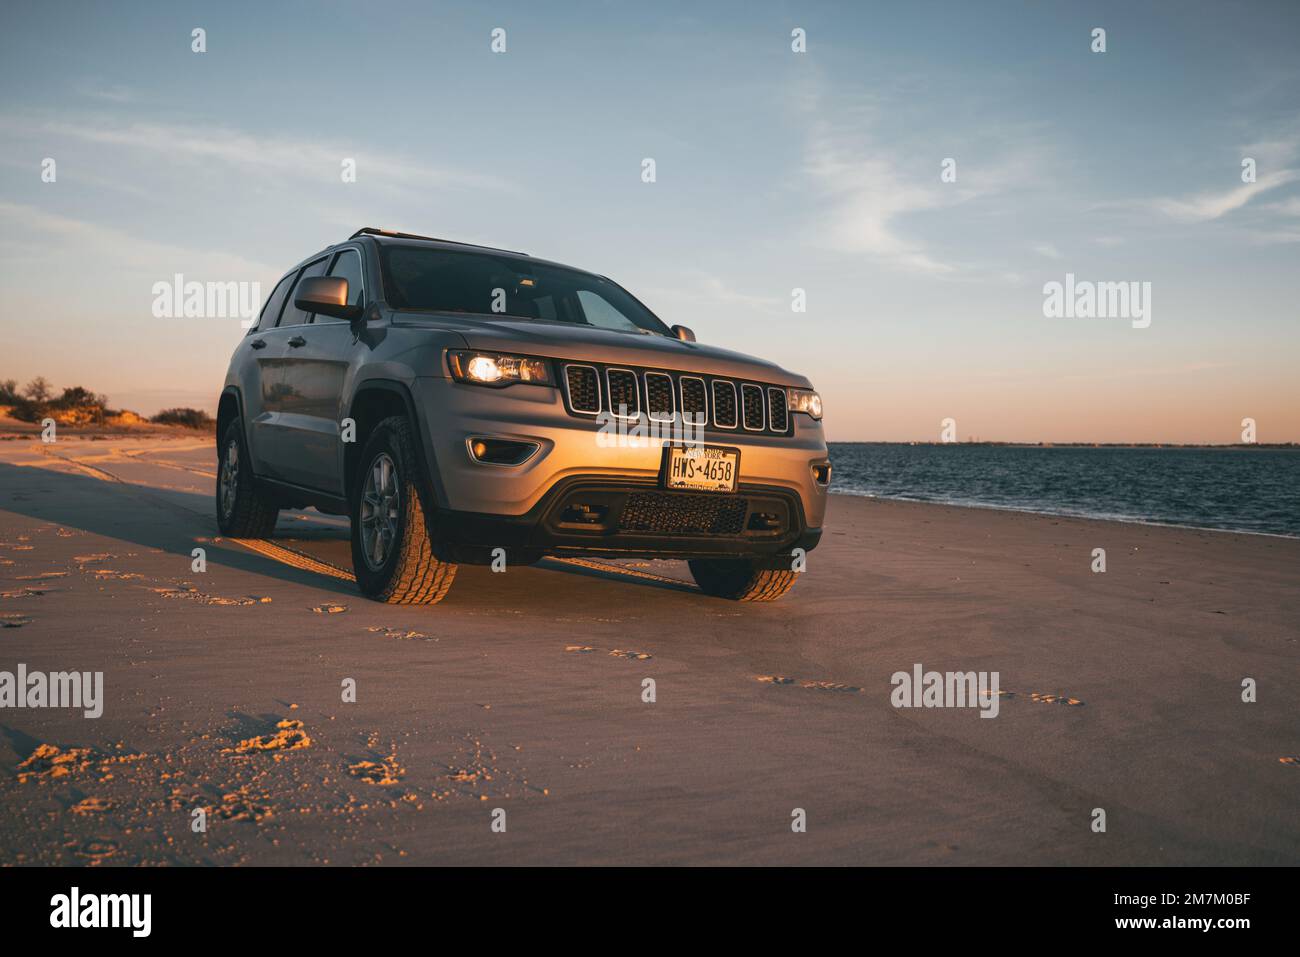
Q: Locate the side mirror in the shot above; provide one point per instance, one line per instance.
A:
(327, 295)
(684, 334)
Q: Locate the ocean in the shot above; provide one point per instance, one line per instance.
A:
(1236, 489)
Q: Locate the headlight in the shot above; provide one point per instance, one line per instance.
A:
(493, 368)
(804, 400)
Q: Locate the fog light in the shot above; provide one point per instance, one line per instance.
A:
(500, 451)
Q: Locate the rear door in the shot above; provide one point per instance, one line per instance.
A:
(275, 425)
(261, 370)
(315, 368)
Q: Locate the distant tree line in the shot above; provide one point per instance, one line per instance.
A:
(38, 400)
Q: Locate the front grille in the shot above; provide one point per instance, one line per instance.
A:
(584, 389)
(701, 400)
(752, 406)
(724, 404)
(624, 396)
(659, 396)
(667, 513)
(694, 404)
(778, 420)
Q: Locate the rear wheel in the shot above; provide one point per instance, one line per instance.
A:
(740, 579)
(392, 549)
(244, 509)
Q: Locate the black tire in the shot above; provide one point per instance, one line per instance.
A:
(251, 511)
(392, 549)
(739, 579)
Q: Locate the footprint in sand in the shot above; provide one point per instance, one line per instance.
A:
(97, 851)
(1292, 760)
(11, 620)
(387, 771)
(810, 685)
(329, 609)
(242, 805)
(613, 653)
(41, 577)
(399, 634)
(193, 594)
(107, 574)
(94, 559)
(289, 736)
(1054, 699)
(27, 591)
(49, 761)
(92, 805)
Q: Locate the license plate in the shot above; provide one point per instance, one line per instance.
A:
(702, 468)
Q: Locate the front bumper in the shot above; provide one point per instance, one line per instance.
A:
(527, 508)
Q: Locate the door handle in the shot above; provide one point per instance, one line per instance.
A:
(257, 344)
(297, 341)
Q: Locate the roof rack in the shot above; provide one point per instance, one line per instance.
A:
(375, 231)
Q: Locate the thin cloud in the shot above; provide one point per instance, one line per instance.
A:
(118, 248)
(108, 93)
(1274, 156)
(1206, 207)
(298, 158)
(867, 197)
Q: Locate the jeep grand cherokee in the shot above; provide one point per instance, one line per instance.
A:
(463, 404)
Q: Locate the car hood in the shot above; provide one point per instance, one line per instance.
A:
(565, 340)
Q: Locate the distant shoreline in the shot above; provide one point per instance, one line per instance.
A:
(1044, 512)
(1081, 445)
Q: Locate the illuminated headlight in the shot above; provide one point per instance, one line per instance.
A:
(493, 368)
(804, 400)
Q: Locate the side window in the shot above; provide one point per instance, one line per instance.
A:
(271, 311)
(347, 265)
(293, 316)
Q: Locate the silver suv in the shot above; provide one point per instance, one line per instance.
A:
(463, 404)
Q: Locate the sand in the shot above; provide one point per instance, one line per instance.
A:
(524, 692)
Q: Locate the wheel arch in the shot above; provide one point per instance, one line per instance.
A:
(373, 401)
(230, 406)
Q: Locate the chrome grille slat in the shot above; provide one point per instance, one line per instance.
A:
(624, 392)
(778, 416)
(660, 398)
(582, 386)
(752, 408)
(725, 403)
(695, 401)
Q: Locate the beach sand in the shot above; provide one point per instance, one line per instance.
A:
(523, 691)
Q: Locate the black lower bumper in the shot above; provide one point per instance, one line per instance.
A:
(596, 516)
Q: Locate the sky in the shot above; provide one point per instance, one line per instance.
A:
(775, 170)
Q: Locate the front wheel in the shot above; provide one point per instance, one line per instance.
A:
(740, 579)
(392, 550)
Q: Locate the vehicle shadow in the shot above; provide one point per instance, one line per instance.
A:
(170, 521)
(175, 522)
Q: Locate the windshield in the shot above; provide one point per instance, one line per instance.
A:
(440, 280)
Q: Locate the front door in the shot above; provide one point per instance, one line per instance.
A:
(315, 367)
